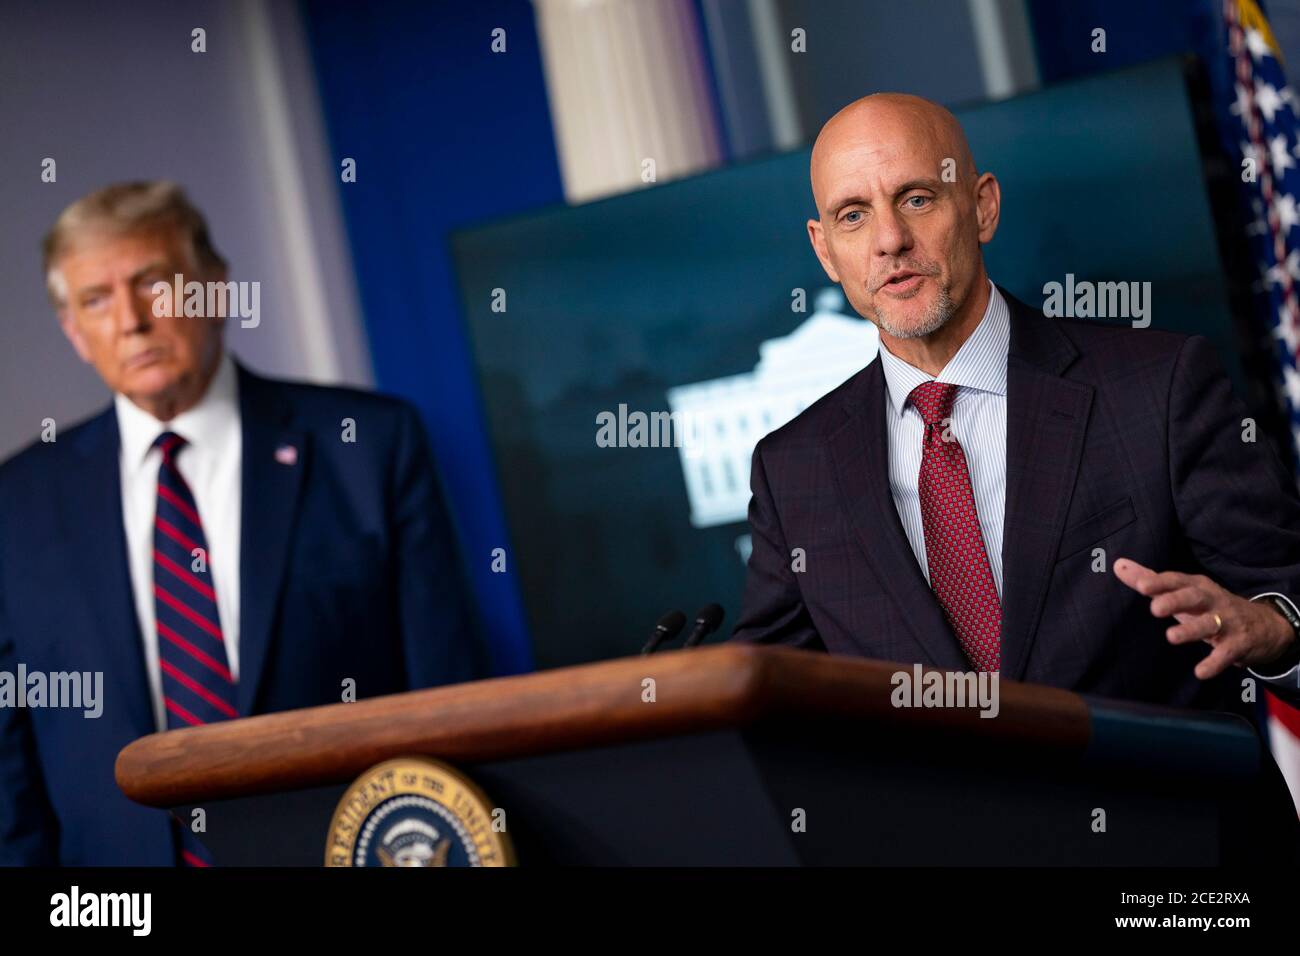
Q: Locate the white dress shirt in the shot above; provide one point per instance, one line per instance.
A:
(210, 463)
(979, 423)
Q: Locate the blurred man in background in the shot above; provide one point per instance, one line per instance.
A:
(215, 543)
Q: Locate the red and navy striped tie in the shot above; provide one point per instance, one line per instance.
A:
(198, 687)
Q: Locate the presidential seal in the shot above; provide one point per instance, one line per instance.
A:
(415, 811)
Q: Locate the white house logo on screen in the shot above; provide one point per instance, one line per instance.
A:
(731, 414)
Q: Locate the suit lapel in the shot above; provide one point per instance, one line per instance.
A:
(1047, 416)
(274, 458)
(90, 500)
(860, 457)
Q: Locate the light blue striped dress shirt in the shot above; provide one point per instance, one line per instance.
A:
(979, 423)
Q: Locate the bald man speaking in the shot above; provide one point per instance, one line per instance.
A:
(1061, 502)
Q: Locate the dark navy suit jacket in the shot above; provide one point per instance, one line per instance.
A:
(347, 570)
(1124, 439)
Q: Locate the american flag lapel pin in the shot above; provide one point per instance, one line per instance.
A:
(286, 455)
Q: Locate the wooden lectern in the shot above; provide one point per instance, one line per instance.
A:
(744, 755)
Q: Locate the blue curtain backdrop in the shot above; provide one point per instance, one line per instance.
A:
(1136, 31)
(445, 133)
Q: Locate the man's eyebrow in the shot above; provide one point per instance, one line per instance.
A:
(148, 267)
(839, 204)
(924, 182)
(85, 290)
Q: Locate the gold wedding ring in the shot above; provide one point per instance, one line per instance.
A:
(1218, 624)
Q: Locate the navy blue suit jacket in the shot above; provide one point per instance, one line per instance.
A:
(1128, 440)
(347, 570)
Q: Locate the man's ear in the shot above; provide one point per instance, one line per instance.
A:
(817, 236)
(72, 333)
(988, 206)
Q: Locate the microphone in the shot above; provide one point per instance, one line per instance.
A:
(707, 620)
(669, 626)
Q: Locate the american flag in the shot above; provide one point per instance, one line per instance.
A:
(1257, 116)
(1261, 130)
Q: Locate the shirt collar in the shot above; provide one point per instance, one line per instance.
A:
(206, 424)
(980, 363)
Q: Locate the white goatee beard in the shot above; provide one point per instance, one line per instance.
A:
(935, 318)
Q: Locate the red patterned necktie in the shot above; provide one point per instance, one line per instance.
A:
(198, 687)
(954, 547)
